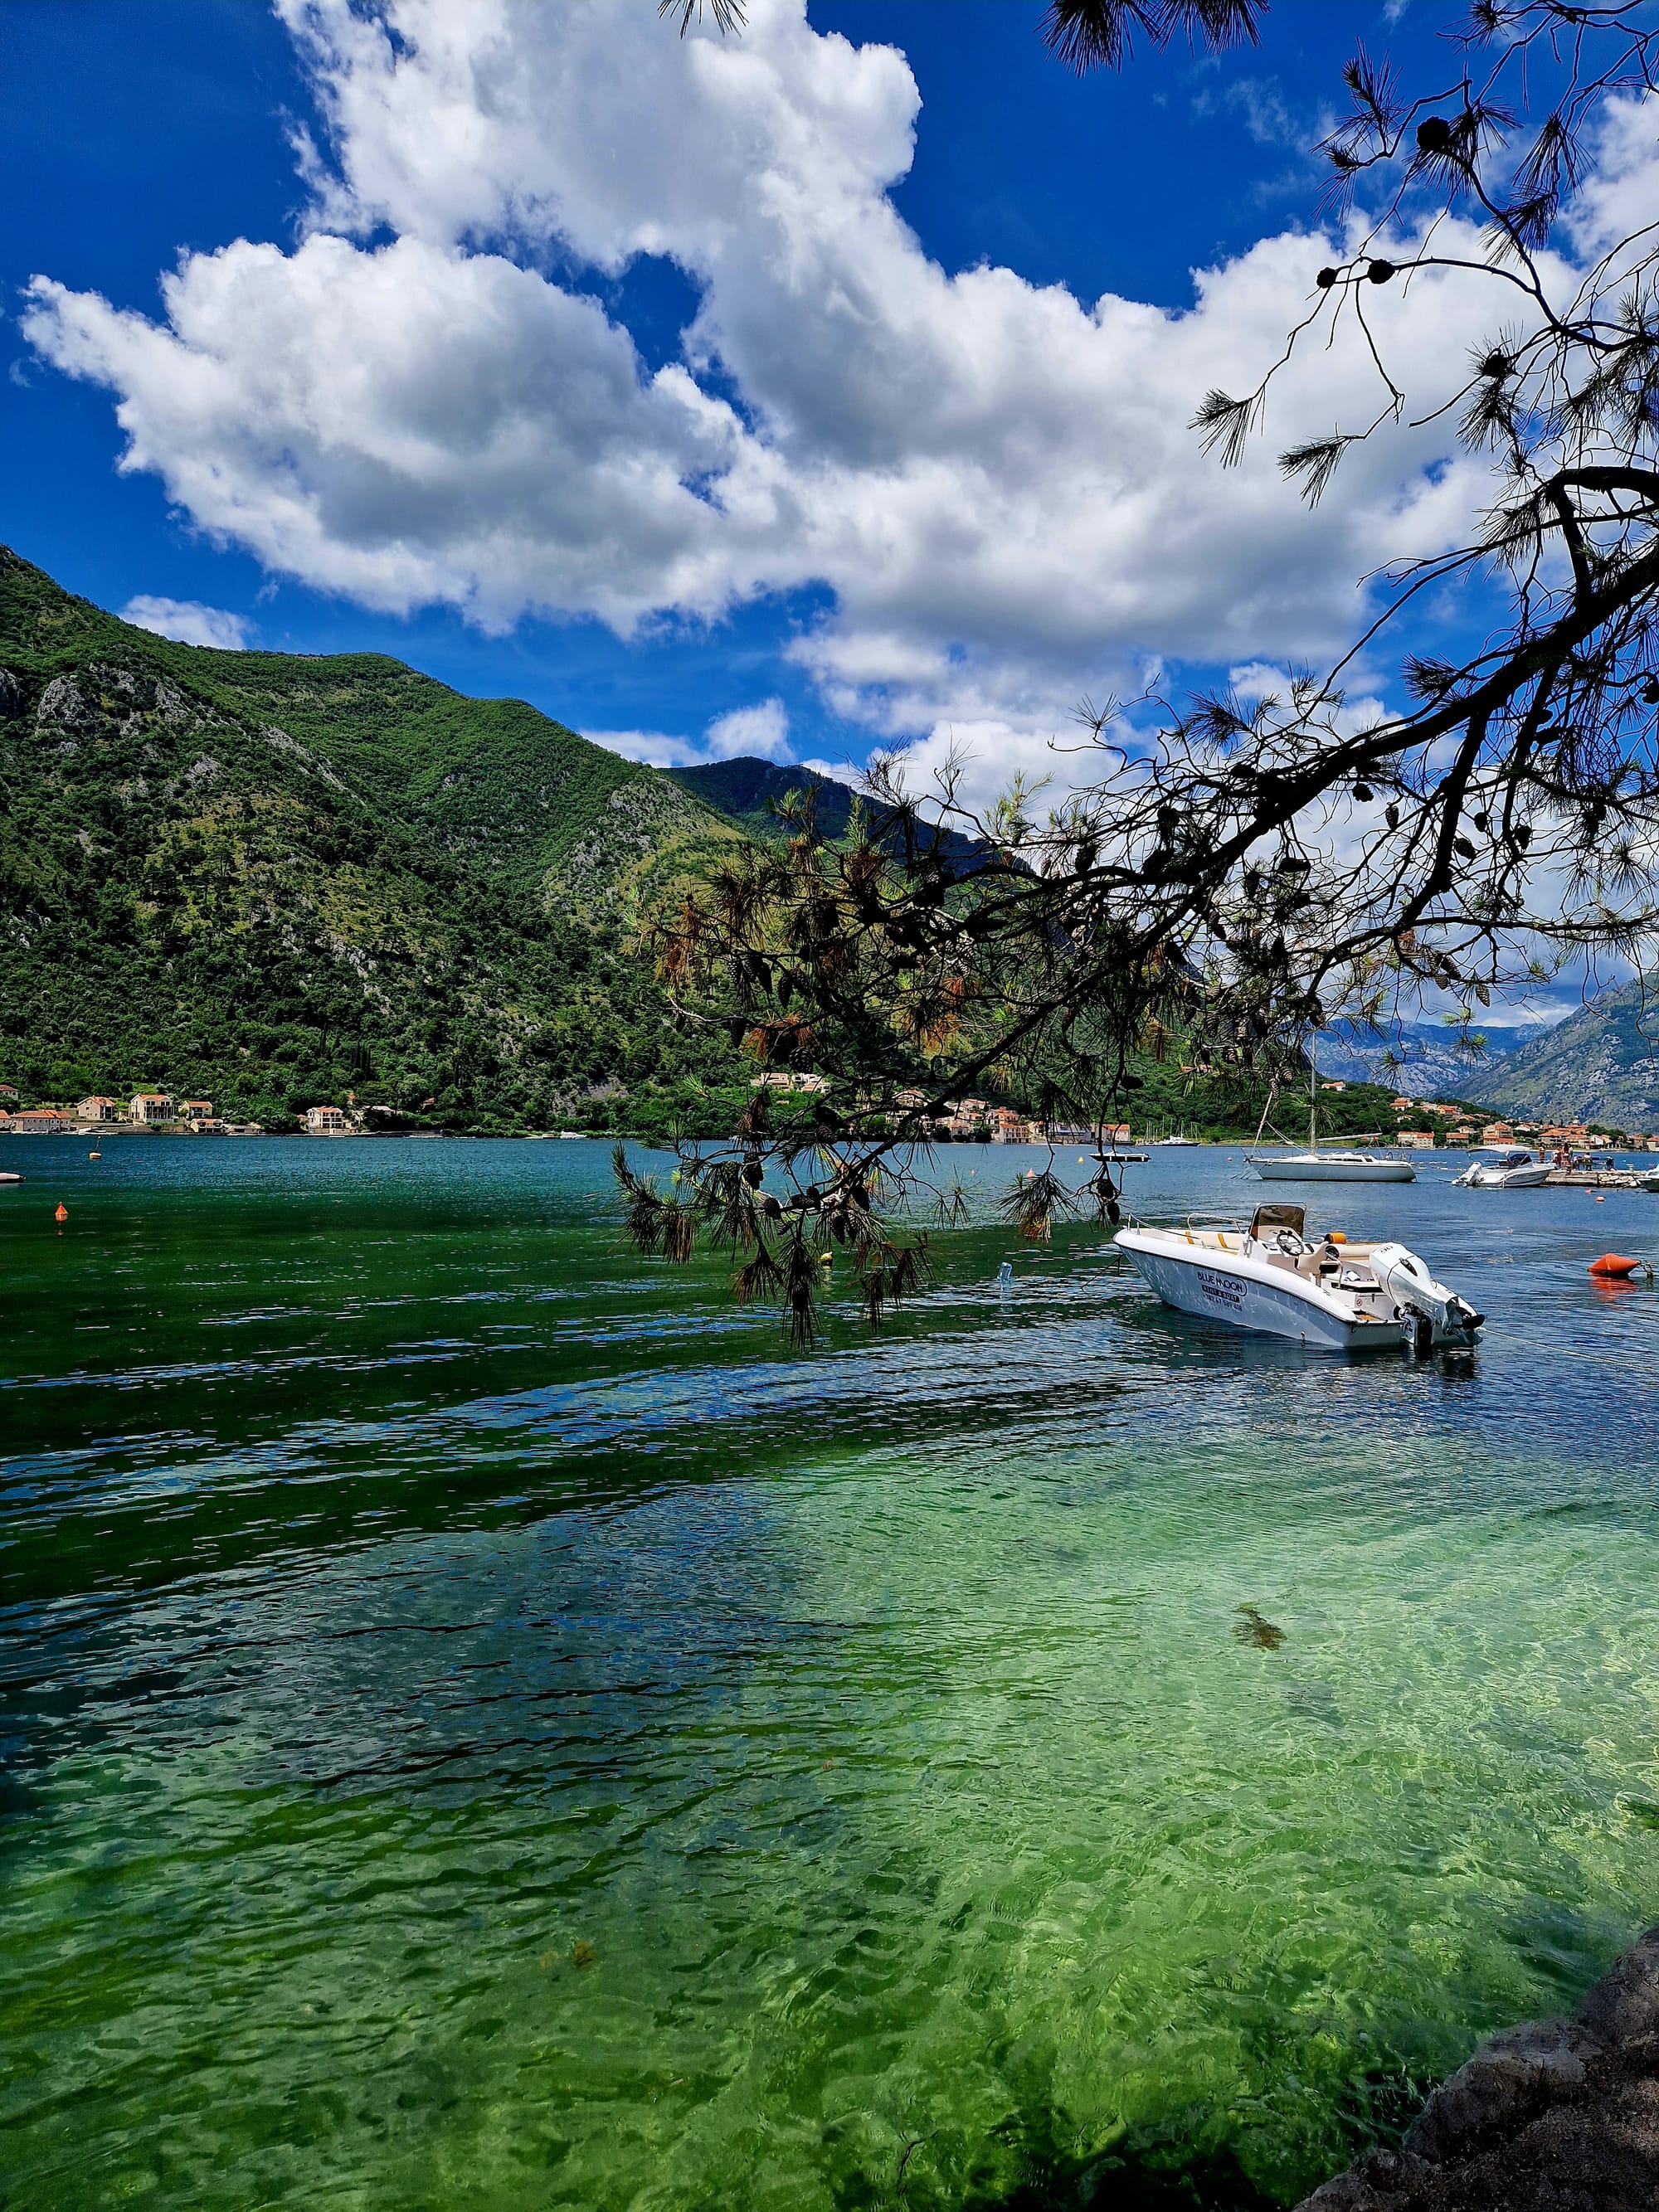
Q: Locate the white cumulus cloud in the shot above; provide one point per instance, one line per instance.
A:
(761, 731)
(188, 622)
(994, 480)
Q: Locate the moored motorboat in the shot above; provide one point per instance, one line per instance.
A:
(1515, 1169)
(1328, 1292)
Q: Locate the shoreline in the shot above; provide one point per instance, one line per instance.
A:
(1560, 2113)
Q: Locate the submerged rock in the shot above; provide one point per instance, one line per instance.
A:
(1562, 2116)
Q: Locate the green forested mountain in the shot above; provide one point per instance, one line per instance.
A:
(749, 793)
(270, 878)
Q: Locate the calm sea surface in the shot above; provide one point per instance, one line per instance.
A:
(482, 1725)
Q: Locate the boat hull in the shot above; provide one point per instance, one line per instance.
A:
(1294, 1171)
(1193, 1286)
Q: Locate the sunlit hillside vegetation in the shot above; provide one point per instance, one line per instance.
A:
(274, 880)
(271, 879)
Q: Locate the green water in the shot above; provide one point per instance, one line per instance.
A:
(483, 1727)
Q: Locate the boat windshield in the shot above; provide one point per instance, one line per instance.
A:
(1267, 1218)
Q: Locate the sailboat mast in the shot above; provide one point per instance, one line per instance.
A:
(1313, 1076)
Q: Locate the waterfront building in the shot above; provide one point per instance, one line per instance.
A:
(149, 1106)
(325, 1121)
(100, 1109)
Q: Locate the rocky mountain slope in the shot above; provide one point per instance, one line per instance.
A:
(1601, 1064)
(1416, 1059)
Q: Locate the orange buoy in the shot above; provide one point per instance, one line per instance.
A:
(62, 1214)
(1614, 1263)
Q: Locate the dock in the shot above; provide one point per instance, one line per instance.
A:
(1600, 1178)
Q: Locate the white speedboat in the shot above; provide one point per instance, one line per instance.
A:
(1333, 1295)
(1185, 1142)
(1509, 1170)
(1316, 1166)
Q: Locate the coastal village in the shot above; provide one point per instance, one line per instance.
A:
(154, 1110)
(1421, 1124)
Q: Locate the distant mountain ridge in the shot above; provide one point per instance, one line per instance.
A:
(1600, 1065)
(1416, 1059)
(749, 793)
(749, 790)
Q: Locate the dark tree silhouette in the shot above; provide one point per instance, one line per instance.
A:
(1247, 873)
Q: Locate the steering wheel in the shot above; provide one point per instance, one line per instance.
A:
(1290, 1244)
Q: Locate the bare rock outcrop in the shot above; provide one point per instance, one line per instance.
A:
(1562, 2116)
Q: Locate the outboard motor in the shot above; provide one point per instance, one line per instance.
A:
(1436, 1314)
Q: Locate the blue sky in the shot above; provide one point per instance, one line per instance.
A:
(140, 133)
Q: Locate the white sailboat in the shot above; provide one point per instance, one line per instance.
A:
(1327, 1166)
(1273, 1278)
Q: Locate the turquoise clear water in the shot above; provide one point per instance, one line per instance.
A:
(483, 1726)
